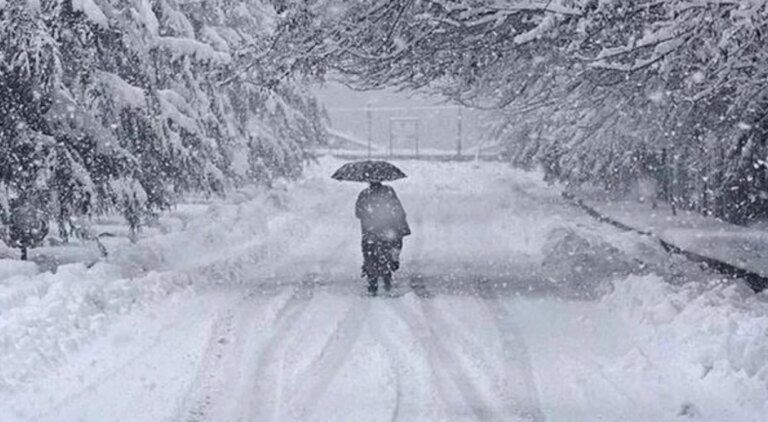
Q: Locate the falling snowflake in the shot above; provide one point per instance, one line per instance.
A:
(656, 96)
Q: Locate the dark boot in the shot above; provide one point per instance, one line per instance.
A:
(373, 286)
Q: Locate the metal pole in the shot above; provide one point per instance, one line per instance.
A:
(458, 131)
(390, 138)
(370, 131)
(417, 139)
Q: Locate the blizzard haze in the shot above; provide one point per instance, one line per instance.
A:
(437, 119)
(394, 211)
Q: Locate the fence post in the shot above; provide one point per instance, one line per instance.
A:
(417, 138)
(370, 131)
(664, 176)
(458, 131)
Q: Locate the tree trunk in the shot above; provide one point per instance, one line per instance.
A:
(23, 253)
(673, 185)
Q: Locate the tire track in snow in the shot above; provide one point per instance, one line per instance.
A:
(109, 376)
(398, 398)
(229, 267)
(516, 351)
(324, 368)
(424, 337)
(482, 405)
(387, 343)
(401, 358)
(513, 392)
(266, 391)
(524, 402)
(161, 338)
(227, 345)
(444, 366)
(197, 407)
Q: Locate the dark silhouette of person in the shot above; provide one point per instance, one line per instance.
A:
(383, 225)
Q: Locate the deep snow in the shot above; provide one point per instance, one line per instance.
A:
(743, 247)
(252, 310)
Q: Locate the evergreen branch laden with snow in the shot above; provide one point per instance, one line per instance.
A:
(110, 105)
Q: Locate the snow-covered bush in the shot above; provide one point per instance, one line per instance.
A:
(28, 226)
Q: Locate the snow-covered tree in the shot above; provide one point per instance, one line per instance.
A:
(597, 91)
(127, 104)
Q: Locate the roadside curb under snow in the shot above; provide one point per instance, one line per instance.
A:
(756, 282)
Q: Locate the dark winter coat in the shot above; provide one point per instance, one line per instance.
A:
(381, 214)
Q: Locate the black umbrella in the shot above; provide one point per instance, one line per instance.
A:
(368, 171)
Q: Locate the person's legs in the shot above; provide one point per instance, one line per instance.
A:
(371, 255)
(369, 263)
(393, 250)
(391, 254)
(380, 260)
(387, 281)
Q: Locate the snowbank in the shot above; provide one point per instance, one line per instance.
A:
(53, 314)
(14, 268)
(46, 316)
(650, 351)
(716, 331)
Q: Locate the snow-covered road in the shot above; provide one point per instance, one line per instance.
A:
(510, 306)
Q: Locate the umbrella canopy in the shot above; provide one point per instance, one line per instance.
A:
(368, 171)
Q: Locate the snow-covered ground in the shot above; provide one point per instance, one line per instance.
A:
(744, 247)
(512, 305)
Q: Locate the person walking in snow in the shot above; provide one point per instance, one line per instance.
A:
(383, 224)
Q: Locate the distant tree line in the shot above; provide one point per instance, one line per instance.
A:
(125, 105)
(600, 92)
